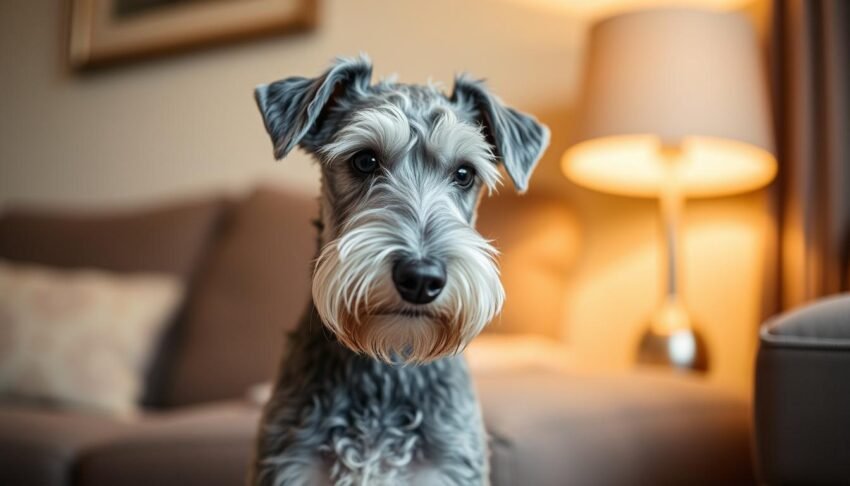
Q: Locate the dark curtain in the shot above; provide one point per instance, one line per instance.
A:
(810, 54)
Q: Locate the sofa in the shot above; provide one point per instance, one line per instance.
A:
(802, 395)
(246, 262)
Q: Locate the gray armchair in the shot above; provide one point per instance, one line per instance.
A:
(802, 402)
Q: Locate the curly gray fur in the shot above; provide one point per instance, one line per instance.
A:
(372, 390)
(368, 422)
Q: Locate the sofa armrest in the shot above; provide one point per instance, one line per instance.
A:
(802, 396)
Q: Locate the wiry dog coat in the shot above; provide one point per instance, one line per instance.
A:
(371, 389)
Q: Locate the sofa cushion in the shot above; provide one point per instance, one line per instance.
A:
(253, 288)
(166, 240)
(210, 445)
(39, 446)
(552, 428)
(207, 445)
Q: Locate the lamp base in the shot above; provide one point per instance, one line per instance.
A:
(683, 349)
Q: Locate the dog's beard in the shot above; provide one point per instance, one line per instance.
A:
(354, 294)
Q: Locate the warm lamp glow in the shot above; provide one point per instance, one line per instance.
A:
(638, 165)
(673, 98)
(602, 8)
(675, 105)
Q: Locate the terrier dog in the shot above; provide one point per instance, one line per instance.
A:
(402, 281)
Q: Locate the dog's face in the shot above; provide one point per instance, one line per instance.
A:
(403, 276)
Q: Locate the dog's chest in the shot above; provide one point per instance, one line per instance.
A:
(374, 424)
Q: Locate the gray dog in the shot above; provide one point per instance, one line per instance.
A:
(402, 281)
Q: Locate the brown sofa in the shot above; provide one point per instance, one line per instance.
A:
(247, 264)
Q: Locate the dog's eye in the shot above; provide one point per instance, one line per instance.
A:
(365, 162)
(464, 176)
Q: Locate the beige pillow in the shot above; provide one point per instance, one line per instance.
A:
(82, 338)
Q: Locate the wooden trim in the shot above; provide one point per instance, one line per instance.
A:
(96, 38)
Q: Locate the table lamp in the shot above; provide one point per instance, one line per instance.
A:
(675, 105)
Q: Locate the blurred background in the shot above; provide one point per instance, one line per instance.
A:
(187, 124)
(99, 119)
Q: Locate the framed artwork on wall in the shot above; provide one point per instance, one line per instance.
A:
(107, 31)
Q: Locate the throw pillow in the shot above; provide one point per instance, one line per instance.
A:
(81, 338)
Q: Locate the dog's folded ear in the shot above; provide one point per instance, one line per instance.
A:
(519, 140)
(292, 107)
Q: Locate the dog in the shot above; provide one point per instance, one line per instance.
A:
(372, 389)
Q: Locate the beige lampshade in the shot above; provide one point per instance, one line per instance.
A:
(673, 96)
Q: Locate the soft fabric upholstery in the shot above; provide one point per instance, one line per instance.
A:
(171, 238)
(40, 446)
(820, 325)
(547, 428)
(538, 238)
(252, 290)
(82, 338)
(802, 395)
(203, 446)
(208, 445)
(552, 429)
(168, 239)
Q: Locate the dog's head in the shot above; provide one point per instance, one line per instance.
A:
(402, 275)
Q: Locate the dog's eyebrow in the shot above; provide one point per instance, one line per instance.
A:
(384, 128)
(452, 141)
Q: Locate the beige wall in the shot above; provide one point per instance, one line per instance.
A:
(188, 124)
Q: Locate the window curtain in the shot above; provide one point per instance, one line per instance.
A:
(810, 53)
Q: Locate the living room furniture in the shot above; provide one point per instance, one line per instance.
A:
(675, 105)
(246, 262)
(802, 403)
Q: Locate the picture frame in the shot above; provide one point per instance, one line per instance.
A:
(109, 31)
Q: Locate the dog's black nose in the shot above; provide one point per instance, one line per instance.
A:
(419, 281)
